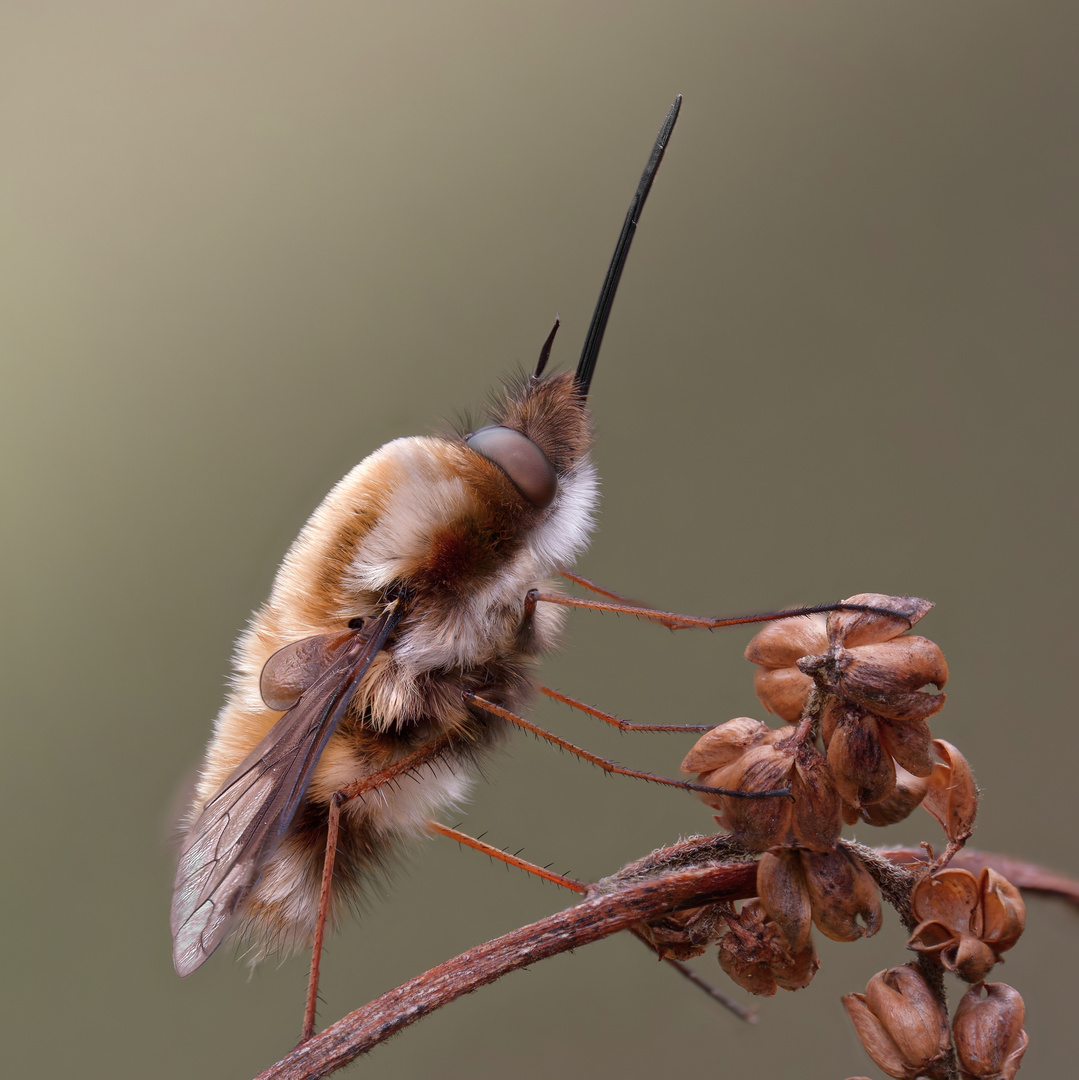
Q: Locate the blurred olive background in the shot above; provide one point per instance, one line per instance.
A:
(244, 244)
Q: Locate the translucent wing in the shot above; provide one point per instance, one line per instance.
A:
(234, 836)
(293, 670)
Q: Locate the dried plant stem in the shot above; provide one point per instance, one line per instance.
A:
(515, 861)
(591, 920)
(895, 882)
(669, 879)
(1028, 876)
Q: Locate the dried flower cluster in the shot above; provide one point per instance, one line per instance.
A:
(854, 690)
(903, 1026)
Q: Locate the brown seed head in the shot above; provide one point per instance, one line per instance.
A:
(858, 656)
(844, 897)
(756, 954)
(682, 935)
(745, 755)
(863, 770)
(724, 745)
(885, 677)
(784, 895)
(782, 691)
(830, 888)
(853, 628)
(783, 642)
(781, 687)
(908, 792)
(900, 1022)
(989, 1038)
(966, 922)
(952, 796)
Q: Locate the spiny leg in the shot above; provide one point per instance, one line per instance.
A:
(618, 598)
(677, 621)
(357, 788)
(622, 725)
(575, 886)
(472, 698)
(591, 586)
(504, 856)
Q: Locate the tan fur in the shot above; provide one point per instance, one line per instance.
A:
(432, 516)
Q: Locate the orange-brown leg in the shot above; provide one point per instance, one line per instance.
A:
(622, 725)
(575, 886)
(618, 598)
(591, 586)
(504, 856)
(677, 621)
(357, 788)
(472, 698)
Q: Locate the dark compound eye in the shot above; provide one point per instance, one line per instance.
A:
(520, 459)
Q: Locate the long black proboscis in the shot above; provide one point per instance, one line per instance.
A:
(590, 352)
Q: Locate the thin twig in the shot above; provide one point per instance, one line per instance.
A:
(669, 879)
(591, 920)
(1028, 876)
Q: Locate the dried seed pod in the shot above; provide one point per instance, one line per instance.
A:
(782, 642)
(952, 796)
(856, 655)
(966, 922)
(989, 1038)
(883, 677)
(782, 691)
(910, 662)
(784, 895)
(908, 792)
(724, 745)
(900, 1022)
(1001, 914)
(862, 770)
(780, 686)
(909, 743)
(756, 954)
(853, 628)
(808, 818)
(682, 935)
(830, 888)
(843, 896)
(867, 753)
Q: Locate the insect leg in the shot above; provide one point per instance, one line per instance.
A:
(568, 883)
(591, 586)
(622, 725)
(472, 698)
(618, 598)
(676, 621)
(503, 856)
(359, 787)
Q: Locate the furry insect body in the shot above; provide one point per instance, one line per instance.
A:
(434, 522)
(404, 599)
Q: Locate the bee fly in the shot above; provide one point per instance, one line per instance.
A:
(401, 630)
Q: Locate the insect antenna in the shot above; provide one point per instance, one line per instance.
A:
(594, 338)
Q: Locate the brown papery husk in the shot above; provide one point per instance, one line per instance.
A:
(782, 691)
(725, 744)
(862, 770)
(852, 628)
(782, 642)
(781, 884)
(844, 898)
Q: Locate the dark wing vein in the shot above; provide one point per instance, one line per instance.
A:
(237, 831)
